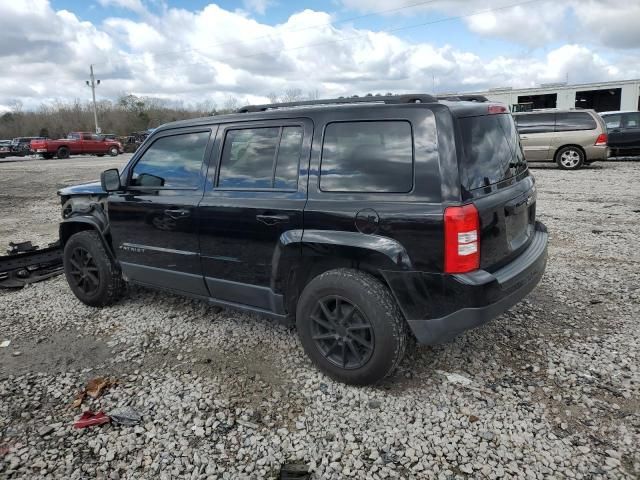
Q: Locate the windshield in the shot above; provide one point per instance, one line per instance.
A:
(492, 151)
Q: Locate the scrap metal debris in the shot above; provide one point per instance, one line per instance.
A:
(26, 263)
(294, 471)
(455, 378)
(126, 416)
(89, 419)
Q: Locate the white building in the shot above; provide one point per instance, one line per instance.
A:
(603, 96)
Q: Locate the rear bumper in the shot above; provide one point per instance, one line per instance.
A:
(595, 153)
(438, 307)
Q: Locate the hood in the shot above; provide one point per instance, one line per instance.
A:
(91, 188)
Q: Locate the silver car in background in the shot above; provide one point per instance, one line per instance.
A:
(571, 138)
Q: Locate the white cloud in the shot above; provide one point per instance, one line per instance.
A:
(214, 54)
(610, 23)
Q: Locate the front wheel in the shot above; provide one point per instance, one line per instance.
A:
(570, 158)
(91, 274)
(350, 326)
(113, 151)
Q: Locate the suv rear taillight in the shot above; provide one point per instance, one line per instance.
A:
(461, 239)
(601, 141)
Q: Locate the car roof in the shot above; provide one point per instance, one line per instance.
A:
(616, 112)
(458, 108)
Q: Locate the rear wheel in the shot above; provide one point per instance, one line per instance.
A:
(113, 151)
(91, 275)
(63, 152)
(569, 158)
(350, 326)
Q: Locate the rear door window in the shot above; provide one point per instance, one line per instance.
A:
(631, 120)
(572, 121)
(492, 151)
(612, 121)
(261, 158)
(535, 122)
(367, 157)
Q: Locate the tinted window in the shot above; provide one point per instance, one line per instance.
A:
(631, 120)
(612, 121)
(571, 121)
(261, 158)
(492, 150)
(288, 158)
(367, 157)
(247, 158)
(535, 122)
(173, 162)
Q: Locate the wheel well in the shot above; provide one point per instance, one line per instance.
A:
(584, 154)
(310, 267)
(68, 229)
(62, 146)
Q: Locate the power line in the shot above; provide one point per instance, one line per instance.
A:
(343, 39)
(353, 37)
(293, 30)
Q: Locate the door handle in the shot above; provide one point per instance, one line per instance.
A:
(177, 212)
(272, 219)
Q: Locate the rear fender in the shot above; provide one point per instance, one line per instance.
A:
(301, 255)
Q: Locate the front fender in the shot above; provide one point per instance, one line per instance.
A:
(86, 217)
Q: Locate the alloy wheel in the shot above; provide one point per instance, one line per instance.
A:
(84, 271)
(570, 159)
(341, 332)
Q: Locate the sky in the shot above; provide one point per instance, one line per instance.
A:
(199, 52)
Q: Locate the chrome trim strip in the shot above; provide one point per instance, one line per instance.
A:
(157, 249)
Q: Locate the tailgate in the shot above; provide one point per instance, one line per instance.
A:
(495, 177)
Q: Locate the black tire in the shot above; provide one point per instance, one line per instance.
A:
(368, 303)
(94, 279)
(113, 151)
(569, 158)
(63, 152)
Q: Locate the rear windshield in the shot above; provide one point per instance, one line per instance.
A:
(491, 151)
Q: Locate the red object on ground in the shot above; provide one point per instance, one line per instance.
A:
(89, 419)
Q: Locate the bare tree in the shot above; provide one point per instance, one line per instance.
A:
(292, 95)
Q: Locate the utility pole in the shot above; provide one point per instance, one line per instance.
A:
(93, 83)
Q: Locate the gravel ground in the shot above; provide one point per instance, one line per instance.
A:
(549, 389)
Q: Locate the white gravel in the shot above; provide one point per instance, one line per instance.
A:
(553, 386)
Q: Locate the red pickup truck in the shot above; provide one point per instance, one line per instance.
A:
(77, 143)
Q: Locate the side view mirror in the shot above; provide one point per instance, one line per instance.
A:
(110, 180)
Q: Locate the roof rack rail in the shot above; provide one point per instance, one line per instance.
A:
(391, 99)
(464, 98)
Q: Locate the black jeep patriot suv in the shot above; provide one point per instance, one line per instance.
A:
(362, 220)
